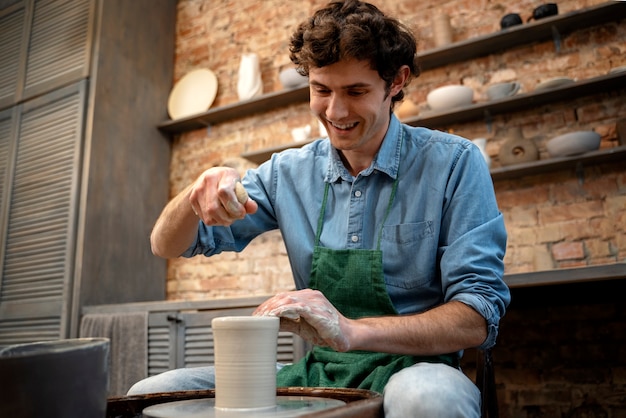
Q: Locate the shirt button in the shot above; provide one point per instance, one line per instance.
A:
(357, 193)
(355, 238)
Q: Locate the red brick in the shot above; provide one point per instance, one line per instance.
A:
(583, 210)
(568, 251)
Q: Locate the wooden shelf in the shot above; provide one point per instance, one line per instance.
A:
(259, 157)
(552, 27)
(500, 173)
(567, 276)
(485, 110)
(548, 28)
(221, 114)
(554, 164)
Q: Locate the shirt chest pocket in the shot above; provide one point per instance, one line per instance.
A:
(409, 254)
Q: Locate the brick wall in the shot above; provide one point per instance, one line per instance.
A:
(561, 219)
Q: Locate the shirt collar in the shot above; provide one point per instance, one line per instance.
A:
(387, 160)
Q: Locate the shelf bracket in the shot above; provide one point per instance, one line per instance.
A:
(488, 120)
(580, 173)
(556, 37)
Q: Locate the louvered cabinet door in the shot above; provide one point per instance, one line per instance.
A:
(162, 330)
(40, 218)
(12, 51)
(44, 45)
(185, 339)
(7, 141)
(58, 47)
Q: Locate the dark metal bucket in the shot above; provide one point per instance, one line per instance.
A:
(63, 378)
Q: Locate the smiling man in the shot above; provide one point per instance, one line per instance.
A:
(393, 232)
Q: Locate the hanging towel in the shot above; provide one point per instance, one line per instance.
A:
(128, 332)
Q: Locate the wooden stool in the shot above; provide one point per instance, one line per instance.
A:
(486, 382)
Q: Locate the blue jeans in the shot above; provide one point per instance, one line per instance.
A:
(425, 389)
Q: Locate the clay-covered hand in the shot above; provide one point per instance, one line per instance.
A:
(310, 315)
(218, 198)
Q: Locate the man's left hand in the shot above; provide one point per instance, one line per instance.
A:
(310, 315)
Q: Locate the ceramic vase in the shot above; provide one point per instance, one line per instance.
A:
(516, 149)
(245, 361)
(481, 143)
(442, 30)
(249, 83)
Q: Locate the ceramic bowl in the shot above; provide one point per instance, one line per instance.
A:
(407, 109)
(573, 143)
(617, 69)
(501, 90)
(554, 83)
(449, 96)
(290, 78)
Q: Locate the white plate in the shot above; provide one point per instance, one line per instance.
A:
(554, 83)
(193, 93)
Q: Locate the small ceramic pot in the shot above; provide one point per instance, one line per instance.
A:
(501, 90)
(301, 134)
(442, 30)
(620, 127)
(406, 109)
(516, 149)
(543, 11)
(481, 143)
(290, 78)
(511, 19)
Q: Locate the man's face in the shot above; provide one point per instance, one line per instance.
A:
(351, 101)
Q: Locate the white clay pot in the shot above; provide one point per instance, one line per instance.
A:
(245, 361)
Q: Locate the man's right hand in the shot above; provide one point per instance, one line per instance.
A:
(212, 198)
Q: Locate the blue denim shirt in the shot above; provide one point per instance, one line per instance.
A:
(444, 238)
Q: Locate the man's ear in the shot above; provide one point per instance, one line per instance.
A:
(400, 80)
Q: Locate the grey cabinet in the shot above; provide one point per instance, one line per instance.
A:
(83, 84)
(179, 334)
(42, 144)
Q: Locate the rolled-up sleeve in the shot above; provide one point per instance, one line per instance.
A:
(473, 238)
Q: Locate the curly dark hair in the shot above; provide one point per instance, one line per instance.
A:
(359, 30)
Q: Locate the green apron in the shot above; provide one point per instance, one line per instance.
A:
(353, 281)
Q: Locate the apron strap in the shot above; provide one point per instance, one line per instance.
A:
(320, 220)
(382, 224)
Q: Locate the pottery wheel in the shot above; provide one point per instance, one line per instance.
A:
(286, 406)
